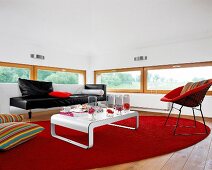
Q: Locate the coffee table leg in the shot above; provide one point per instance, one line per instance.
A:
(90, 138)
(128, 127)
(137, 121)
(53, 129)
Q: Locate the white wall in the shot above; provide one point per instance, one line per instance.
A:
(168, 32)
(105, 34)
(171, 53)
(59, 30)
(101, 34)
(152, 103)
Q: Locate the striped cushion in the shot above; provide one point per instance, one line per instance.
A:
(4, 118)
(15, 133)
(191, 85)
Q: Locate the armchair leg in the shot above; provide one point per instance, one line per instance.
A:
(169, 114)
(178, 120)
(178, 115)
(186, 134)
(195, 124)
(203, 119)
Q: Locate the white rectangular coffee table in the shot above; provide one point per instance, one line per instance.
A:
(84, 124)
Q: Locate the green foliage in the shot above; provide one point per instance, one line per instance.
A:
(120, 80)
(195, 79)
(11, 74)
(155, 81)
(58, 77)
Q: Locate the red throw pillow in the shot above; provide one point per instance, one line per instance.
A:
(60, 94)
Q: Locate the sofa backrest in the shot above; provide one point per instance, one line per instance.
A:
(72, 88)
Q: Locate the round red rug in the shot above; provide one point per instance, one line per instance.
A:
(112, 145)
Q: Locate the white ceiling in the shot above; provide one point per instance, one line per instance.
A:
(56, 24)
(89, 27)
(131, 24)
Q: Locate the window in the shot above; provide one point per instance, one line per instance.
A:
(121, 79)
(60, 76)
(164, 78)
(9, 73)
(154, 79)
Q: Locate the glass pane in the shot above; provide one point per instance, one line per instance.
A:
(121, 80)
(60, 77)
(11, 74)
(168, 79)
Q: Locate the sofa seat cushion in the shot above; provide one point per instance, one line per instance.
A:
(15, 133)
(5, 118)
(49, 102)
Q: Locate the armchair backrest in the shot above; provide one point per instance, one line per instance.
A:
(194, 97)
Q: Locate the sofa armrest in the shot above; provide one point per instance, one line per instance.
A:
(97, 86)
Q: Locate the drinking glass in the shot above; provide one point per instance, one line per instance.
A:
(66, 109)
(110, 101)
(119, 103)
(126, 102)
(92, 103)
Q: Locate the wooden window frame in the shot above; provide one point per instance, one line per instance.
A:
(184, 65)
(36, 68)
(30, 67)
(144, 76)
(97, 72)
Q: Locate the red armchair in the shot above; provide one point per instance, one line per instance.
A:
(192, 98)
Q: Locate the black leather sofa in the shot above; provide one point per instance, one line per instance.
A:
(35, 96)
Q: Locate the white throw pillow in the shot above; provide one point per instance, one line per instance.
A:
(98, 92)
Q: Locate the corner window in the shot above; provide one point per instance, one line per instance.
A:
(9, 73)
(159, 79)
(153, 79)
(168, 79)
